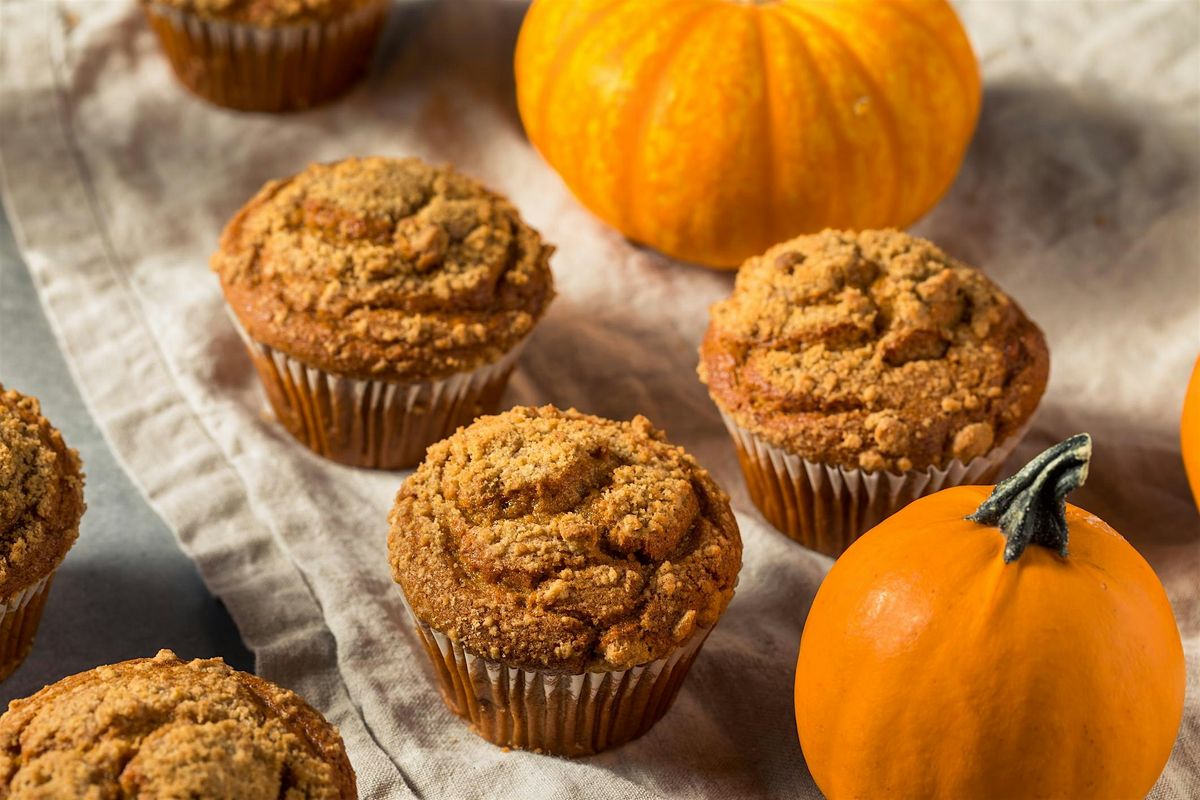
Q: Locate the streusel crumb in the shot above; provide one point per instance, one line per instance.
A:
(872, 350)
(384, 268)
(41, 494)
(555, 540)
(160, 727)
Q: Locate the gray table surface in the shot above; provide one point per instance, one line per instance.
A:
(126, 589)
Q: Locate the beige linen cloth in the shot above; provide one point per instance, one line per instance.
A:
(1079, 195)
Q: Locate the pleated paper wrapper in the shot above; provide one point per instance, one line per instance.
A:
(826, 507)
(374, 423)
(268, 68)
(559, 714)
(19, 620)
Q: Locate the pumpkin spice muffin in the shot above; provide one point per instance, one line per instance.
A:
(41, 504)
(563, 571)
(161, 727)
(857, 372)
(384, 302)
(267, 55)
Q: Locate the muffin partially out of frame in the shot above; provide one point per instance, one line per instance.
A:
(384, 302)
(562, 571)
(41, 504)
(268, 55)
(161, 727)
(858, 372)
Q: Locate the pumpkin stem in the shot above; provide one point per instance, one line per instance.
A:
(1031, 505)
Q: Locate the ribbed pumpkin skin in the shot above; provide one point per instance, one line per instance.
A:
(931, 669)
(1189, 432)
(712, 129)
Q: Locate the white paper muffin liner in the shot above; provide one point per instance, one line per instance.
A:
(374, 423)
(20, 614)
(826, 507)
(558, 714)
(267, 68)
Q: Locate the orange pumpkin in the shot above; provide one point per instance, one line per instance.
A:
(712, 129)
(946, 657)
(1189, 432)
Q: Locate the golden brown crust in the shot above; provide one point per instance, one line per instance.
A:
(559, 541)
(384, 268)
(266, 12)
(872, 350)
(41, 494)
(161, 727)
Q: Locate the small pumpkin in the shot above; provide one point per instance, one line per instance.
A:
(1189, 432)
(962, 649)
(712, 129)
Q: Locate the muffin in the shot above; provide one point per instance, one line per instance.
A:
(858, 372)
(267, 55)
(41, 503)
(161, 727)
(562, 572)
(384, 302)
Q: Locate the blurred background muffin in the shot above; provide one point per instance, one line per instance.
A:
(857, 372)
(161, 727)
(384, 302)
(41, 504)
(562, 571)
(268, 55)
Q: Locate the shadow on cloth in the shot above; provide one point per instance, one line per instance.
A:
(469, 41)
(1086, 166)
(86, 596)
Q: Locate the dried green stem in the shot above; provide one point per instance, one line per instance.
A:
(1030, 507)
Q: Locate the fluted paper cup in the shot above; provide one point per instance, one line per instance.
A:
(283, 67)
(557, 714)
(20, 614)
(826, 507)
(374, 423)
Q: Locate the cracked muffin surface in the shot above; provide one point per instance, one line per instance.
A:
(41, 494)
(164, 728)
(559, 541)
(872, 350)
(384, 268)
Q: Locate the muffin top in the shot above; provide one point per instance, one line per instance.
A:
(41, 494)
(161, 727)
(266, 12)
(384, 268)
(559, 541)
(872, 350)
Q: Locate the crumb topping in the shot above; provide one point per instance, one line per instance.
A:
(555, 540)
(267, 12)
(161, 727)
(41, 494)
(385, 268)
(872, 350)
